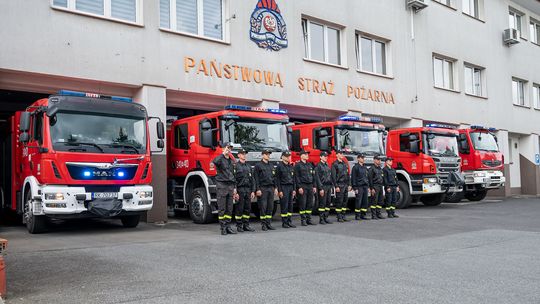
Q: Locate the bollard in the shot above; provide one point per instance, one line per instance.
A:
(3, 246)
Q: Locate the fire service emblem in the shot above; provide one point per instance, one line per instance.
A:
(268, 29)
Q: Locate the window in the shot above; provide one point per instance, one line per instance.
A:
(181, 137)
(125, 10)
(322, 42)
(372, 54)
(471, 8)
(514, 19)
(203, 18)
(445, 2)
(443, 73)
(473, 80)
(535, 31)
(405, 142)
(518, 92)
(37, 132)
(536, 96)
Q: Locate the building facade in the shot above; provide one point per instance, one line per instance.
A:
(448, 62)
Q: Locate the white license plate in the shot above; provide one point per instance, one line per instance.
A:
(104, 195)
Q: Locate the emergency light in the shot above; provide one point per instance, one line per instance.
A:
(346, 117)
(255, 109)
(442, 126)
(478, 127)
(93, 95)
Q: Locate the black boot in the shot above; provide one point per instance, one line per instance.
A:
(357, 216)
(379, 215)
(264, 226)
(309, 221)
(303, 220)
(326, 220)
(374, 214)
(363, 216)
(289, 222)
(247, 227)
(269, 224)
(239, 226)
(284, 222)
(344, 217)
(389, 213)
(223, 229)
(394, 213)
(321, 219)
(229, 229)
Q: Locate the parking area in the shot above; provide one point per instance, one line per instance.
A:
(484, 252)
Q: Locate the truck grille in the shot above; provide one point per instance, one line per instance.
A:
(445, 168)
(491, 163)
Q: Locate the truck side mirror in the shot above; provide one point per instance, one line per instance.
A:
(207, 135)
(24, 122)
(160, 144)
(463, 145)
(160, 129)
(24, 137)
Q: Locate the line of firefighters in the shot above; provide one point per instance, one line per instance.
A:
(237, 184)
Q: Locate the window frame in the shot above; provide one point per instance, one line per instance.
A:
(387, 67)
(452, 78)
(447, 3)
(475, 4)
(482, 85)
(536, 96)
(107, 11)
(178, 138)
(524, 91)
(306, 32)
(173, 24)
(517, 16)
(534, 31)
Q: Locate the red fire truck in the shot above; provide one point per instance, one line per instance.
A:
(194, 142)
(427, 163)
(481, 162)
(76, 155)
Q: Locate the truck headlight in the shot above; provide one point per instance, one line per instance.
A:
(145, 194)
(480, 174)
(430, 180)
(54, 196)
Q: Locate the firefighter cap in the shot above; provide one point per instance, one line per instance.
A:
(266, 151)
(242, 151)
(360, 155)
(304, 152)
(323, 153)
(286, 153)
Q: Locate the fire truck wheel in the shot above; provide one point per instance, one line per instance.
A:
(432, 199)
(200, 210)
(454, 197)
(34, 223)
(476, 195)
(130, 221)
(404, 196)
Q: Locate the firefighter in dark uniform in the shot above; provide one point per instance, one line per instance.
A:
(391, 187)
(305, 183)
(225, 185)
(245, 188)
(323, 178)
(341, 180)
(265, 189)
(286, 186)
(360, 184)
(376, 184)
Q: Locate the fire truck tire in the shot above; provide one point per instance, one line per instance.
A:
(454, 197)
(199, 207)
(432, 199)
(476, 195)
(34, 223)
(404, 197)
(130, 221)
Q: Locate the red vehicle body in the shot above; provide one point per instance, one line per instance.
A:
(60, 168)
(351, 134)
(427, 163)
(194, 142)
(482, 163)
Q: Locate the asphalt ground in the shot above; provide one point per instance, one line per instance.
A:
(486, 252)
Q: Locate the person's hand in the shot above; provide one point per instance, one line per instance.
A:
(321, 193)
(235, 191)
(356, 191)
(252, 195)
(389, 189)
(280, 194)
(314, 190)
(398, 189)
(349, 189)
(337, 189)
(301, 191)
(275, 192)
(236, 197)
(294, 193)
(259, 192)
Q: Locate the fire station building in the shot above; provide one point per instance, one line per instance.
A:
(411, 62)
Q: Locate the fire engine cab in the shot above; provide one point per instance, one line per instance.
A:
(481, 162)
(78, 155)
(427, 163)
(194, 142)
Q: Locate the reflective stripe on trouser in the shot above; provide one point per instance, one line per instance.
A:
(324, 201)
(286, 202)
(391, 198)
(305, 201)
(377, 199)
(341, 200)
(266, 203)
(242, 209)
(361, 200)
(225, 201)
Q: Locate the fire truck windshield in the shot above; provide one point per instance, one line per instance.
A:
(91, 133)
(484, 141)
(360, 141)
(255, 135)
(441, 145)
